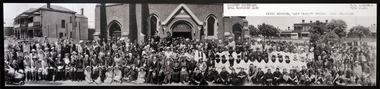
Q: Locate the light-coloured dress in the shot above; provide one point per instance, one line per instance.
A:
(109, 76)
(117, 75)
(141, 77)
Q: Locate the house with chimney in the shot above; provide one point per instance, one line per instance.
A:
(299, 31)
(51, 21)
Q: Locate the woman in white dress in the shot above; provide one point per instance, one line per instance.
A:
(117, 74)
(109, 76)
(141, 76)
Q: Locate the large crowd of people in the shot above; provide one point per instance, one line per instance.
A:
(193, 62)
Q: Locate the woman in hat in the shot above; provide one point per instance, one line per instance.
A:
(39, 68)
(27, 63)
(44, 67)
(33, 65)
(67, 67)
(79, 65)
(73, 65)
(87, 69)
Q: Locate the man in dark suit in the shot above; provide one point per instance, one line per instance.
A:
(138, 62)
(211, 75)
(152, 66)
(223, 76)
(277, 76)
(317, 51)
(268, 78)
(191, 66)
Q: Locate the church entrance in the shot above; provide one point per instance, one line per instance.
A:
(182, 29)
(237, 30)
(114, 32)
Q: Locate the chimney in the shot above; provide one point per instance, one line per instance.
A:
(288, 27)
(327, 21)
(303, 21)
(82, 10)
(311, 21)
(48, 5)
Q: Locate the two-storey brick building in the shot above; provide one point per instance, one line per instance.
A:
(51, 21)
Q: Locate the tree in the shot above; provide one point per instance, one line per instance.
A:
(267, 30)
(360, 31)
(338, 26)
(317, 30)
(330, 37)
(253, 31)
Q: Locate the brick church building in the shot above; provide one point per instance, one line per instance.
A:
(136, 21)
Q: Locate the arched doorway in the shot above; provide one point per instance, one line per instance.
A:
(237, 31)
(182, 29)
(153, 25)
(114, 31)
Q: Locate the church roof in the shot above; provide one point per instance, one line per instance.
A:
(179, 9)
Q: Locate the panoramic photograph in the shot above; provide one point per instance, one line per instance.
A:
(184, 44)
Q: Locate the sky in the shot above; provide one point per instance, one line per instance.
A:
(282, 22)
(11, 10)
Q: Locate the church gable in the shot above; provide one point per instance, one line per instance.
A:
(182, 11)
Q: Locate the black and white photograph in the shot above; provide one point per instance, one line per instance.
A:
(189, 44)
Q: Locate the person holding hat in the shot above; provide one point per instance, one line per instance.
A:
(141, 76)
